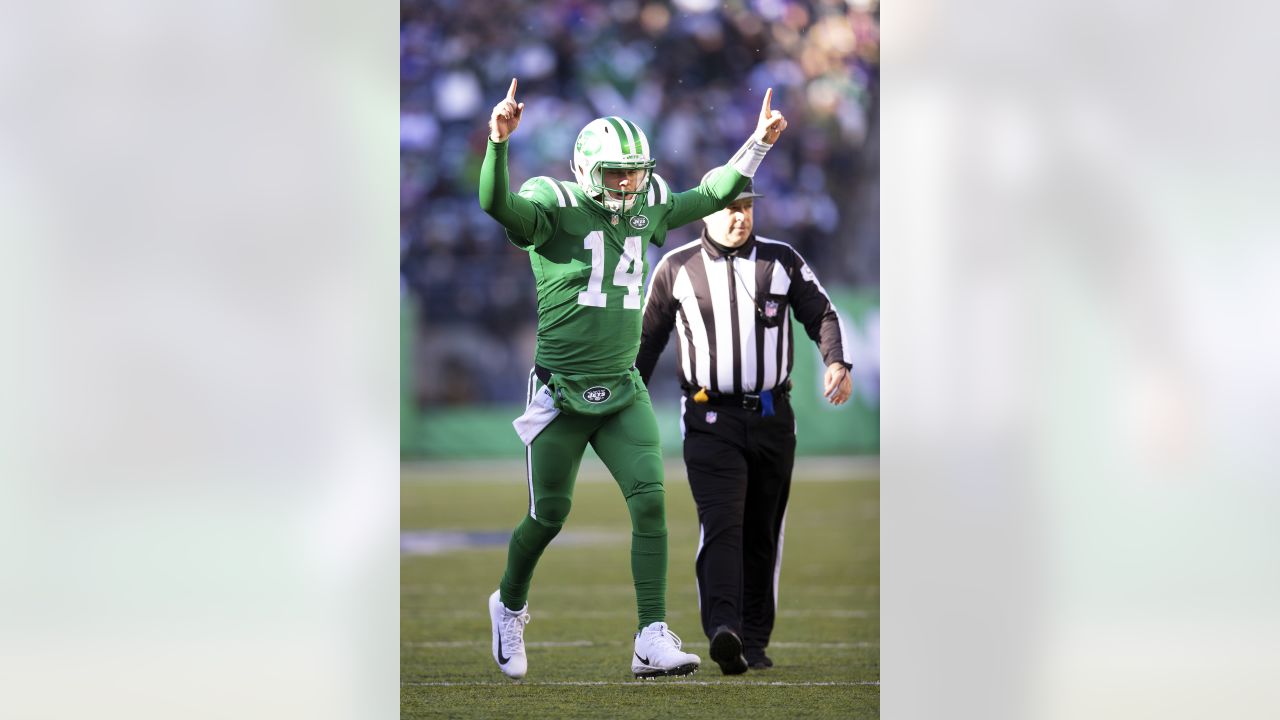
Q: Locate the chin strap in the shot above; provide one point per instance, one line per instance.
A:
(617, 206)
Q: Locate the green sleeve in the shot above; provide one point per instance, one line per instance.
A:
(528, 222)
(709, 197)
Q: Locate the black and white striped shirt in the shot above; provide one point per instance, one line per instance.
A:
(731, 313)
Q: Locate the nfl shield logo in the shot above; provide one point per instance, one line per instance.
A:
(711, 416)
(770, 308)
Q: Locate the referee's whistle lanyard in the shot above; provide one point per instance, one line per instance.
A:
(764, 400)
(769, 321)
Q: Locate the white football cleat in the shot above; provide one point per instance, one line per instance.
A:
(508, 636)
(658, 653)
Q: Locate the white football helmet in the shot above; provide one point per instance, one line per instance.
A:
(612, 143)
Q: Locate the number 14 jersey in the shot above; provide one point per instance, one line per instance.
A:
(589, 265)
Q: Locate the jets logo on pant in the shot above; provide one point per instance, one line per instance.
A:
(596, 395)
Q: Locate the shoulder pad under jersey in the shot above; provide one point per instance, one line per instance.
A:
(659, 192)
(550, 192)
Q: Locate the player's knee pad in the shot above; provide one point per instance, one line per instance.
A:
(648, 512)
(646, 468)
(552, 512)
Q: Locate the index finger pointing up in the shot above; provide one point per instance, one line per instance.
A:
(765, 110)
(511, 92)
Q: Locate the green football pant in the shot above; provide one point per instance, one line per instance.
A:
(627, 443)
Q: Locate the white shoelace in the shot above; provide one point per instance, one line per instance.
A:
(675, 639)
(512, 628)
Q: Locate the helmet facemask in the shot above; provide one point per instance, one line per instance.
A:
(613, 199)
(612, 144)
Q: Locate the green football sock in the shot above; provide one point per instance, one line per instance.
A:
(649, 555)
(649, 570)
(528, 541)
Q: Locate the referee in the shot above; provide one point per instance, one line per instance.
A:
(729, 296)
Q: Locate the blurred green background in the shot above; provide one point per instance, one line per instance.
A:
(485, 432)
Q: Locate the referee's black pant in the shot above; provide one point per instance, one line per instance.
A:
(739, 465)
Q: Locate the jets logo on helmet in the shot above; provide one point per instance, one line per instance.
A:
(613, 143)
(588, 143)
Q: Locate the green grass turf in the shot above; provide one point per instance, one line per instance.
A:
(825, 643)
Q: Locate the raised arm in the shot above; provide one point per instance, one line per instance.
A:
(718, 190)
(525, 221)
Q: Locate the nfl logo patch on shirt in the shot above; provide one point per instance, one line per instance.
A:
(770, 308)
(711, 416)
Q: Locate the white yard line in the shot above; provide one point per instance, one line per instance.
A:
(591, 643)
(436, 542)
(645, 683)
(486, 643)
(807, 469)
(537, 614)
(623, 613)
(824, 646)
(576, 590)
(558, 589)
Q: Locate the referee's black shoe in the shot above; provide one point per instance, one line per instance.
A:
(757, 660)
(726, 650)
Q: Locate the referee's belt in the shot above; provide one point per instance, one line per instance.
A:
(746, 401)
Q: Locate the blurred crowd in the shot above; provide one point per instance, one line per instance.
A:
(690, 73)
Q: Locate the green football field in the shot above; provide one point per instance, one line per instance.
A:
(456, 519)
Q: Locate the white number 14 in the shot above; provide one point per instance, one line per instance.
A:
(627, 274)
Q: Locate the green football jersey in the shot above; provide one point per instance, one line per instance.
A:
(589, 263)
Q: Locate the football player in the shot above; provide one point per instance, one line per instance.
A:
(586, 241)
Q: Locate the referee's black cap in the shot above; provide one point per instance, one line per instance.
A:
(747, 192)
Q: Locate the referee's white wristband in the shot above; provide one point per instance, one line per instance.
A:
(747, 159)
